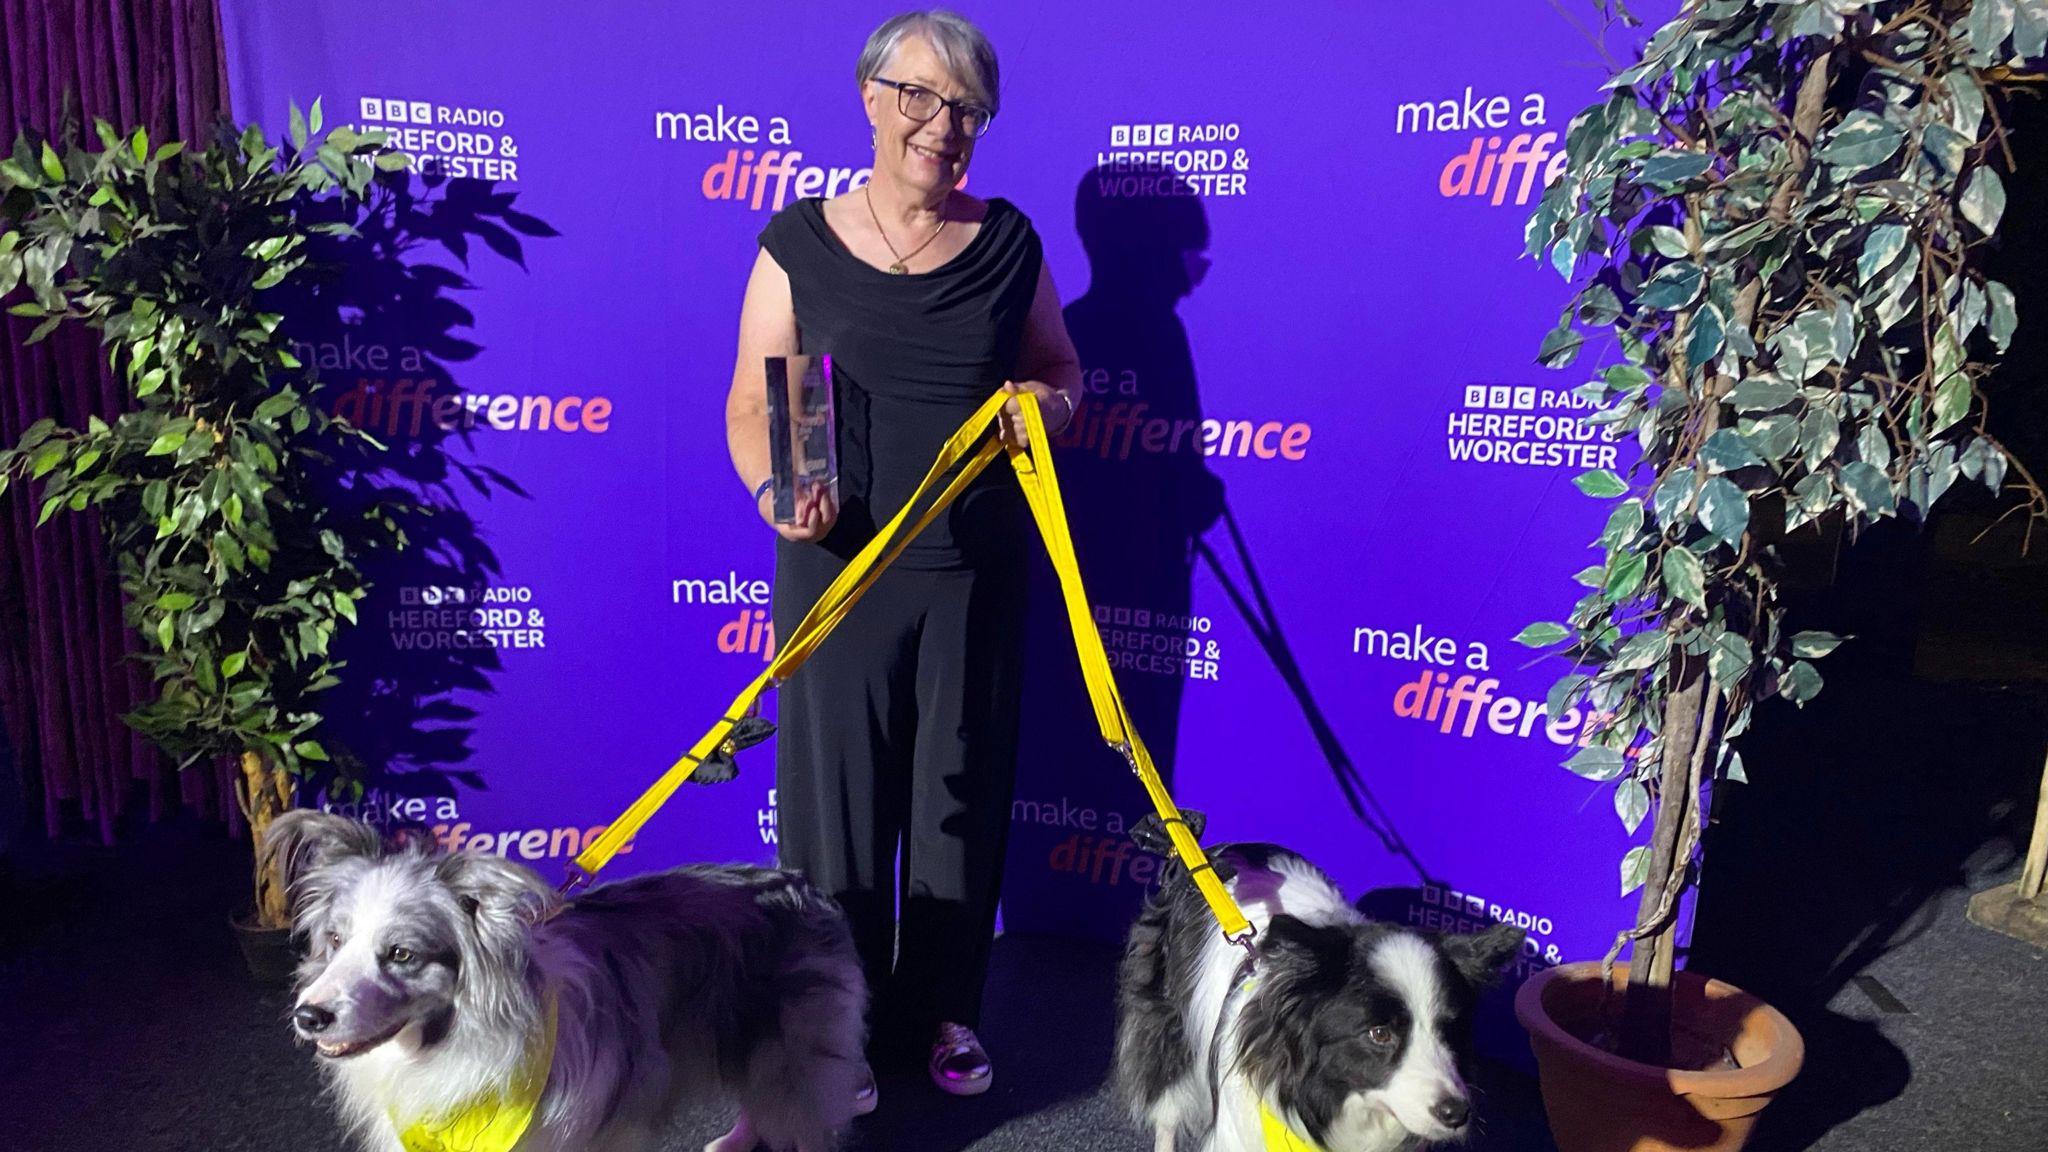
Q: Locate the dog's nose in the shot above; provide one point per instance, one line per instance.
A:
(1451, 1112)
(312, 1019)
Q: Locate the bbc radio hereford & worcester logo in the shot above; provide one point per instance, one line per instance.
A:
(453, 141)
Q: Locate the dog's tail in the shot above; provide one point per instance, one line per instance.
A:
(800, 1081)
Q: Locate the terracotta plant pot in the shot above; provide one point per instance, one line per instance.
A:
(1599, 1102)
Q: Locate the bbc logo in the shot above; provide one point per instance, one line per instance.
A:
(397, 111)
(1500, 396)
(1140, 135)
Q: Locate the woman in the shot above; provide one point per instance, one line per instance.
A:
(900, 734)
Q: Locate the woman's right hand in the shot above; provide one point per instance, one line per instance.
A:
(814, 517)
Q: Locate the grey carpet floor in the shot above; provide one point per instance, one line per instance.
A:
(126, 1023)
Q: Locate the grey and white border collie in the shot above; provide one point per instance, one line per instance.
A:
(1351, 1032)
(428, 975)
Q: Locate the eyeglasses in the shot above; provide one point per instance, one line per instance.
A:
(922, 104)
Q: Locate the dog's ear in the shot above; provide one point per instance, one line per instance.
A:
(495, 892)
(1480, 956)
(1295, 947)
(303, 839)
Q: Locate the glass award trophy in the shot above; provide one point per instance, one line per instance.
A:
(803, 445)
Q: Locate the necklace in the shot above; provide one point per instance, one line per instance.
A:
(902, 260)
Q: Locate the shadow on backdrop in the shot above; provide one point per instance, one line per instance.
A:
(384, 328)
(1138, 496)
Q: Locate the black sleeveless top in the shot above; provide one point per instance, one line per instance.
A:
(912, 357)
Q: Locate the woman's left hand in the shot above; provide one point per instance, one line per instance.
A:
(1052, 407)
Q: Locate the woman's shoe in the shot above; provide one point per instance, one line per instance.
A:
(866, 1097)
(959, 1066)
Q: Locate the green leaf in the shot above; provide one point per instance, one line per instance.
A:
(1542, 634)
(1763, 394)
(1684, 577)
(1672, 495)
(1622, 524)
(166, 443)
(1730, 660)
(1814, 645)
(1727, 451)
(1772, 438)
(310, 750)
(1560, 347)
(1862, 140)
(391, 161)
(1883, 246)
(1625, 576)
(1983, 200)
(1724, 510)
(1669, 241)
(141, 144)
(1966, 102)
(1631, 803)
(175, 601)
(1640, 651)
(1601, 484)
(44, 329)
(231, 666)
(1821, 434)
(166, 631)
(1673, 287)
(1951, 402)
(1801, 684)
(1635, 867)
(315, 119)
(1703, 343)
(53, 164)
(1592, 577)
(1810, 498)
(1672, 167)
(298, 126)
(2004, 317)
(1989, 23)
(1598, 764)
(345, 605)
(1869, 490)
(2030, 31)
(46, 458)
(1946, 150)
(276, 406)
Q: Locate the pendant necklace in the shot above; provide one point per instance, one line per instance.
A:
(901, 266)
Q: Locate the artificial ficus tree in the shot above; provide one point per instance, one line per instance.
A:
(236, 566)
(1776, 214)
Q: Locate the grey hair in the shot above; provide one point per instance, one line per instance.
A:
(961, 47)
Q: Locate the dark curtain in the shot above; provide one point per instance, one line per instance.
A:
(64, 678)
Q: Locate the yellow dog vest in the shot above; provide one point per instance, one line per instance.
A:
(491, 1123)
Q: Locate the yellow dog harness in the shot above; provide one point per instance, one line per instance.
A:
(492, 1123)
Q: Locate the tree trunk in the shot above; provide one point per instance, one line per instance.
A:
(266, 794)
(1644, 1034)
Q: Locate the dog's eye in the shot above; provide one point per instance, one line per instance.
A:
(1381, 1035)
(334, 940)
(399, 954)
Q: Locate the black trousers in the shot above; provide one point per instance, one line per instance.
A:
(900, 735)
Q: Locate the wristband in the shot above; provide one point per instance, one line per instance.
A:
(762, 487)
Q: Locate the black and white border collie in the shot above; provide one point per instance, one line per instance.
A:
(1352, 1033)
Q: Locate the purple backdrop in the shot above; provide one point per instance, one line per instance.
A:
(1321, 303)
